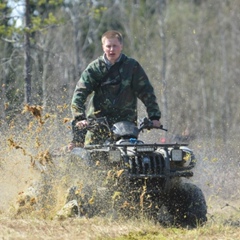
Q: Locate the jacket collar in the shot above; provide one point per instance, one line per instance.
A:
(108, 63)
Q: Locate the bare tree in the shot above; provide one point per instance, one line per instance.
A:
(27, 57)
(162, 33)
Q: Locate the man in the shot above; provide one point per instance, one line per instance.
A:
(115, 82)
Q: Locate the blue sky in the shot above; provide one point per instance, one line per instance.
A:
(17, 11)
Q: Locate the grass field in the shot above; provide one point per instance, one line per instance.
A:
(217, 174)
(223, 214)
(98, 228)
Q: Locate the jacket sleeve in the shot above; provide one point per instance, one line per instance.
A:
(145, 92)
(83, 89)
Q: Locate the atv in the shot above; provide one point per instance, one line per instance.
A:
(140, 178)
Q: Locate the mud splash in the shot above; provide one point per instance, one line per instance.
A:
(25, 166)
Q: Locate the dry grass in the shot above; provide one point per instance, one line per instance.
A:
(98, 228)
(24, 149)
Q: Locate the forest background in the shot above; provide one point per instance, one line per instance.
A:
(190, 50)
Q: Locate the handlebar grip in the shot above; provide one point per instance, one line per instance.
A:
(164, 129)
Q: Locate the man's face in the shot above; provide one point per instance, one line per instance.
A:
(112, 48)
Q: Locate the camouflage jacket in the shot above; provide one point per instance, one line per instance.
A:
(114, 97)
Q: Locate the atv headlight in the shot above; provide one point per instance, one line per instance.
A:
(145, 148)
(114, 155)
(177, 155)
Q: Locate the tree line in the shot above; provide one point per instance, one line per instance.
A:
(189, 49)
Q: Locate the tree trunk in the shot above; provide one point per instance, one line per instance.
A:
(162, 8)
(27, 60)
(225, 103)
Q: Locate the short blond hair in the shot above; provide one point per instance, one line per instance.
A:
(112, 34)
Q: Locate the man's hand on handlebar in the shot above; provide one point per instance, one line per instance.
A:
(156, 123)
(149, 124)
(82, 124)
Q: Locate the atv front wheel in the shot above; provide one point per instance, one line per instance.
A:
(186, 206)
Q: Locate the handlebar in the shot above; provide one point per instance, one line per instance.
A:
(102, 121)
(164, 129)
(148, 124)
